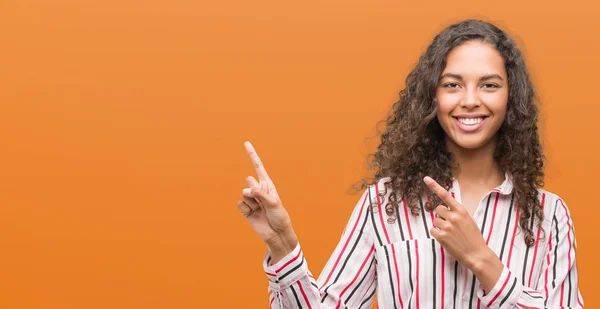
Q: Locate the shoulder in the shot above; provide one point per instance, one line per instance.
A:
(553, 205)
(378, 191)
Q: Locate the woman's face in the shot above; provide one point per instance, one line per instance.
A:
(472, 95)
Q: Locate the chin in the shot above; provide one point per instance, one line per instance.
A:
(470, 143)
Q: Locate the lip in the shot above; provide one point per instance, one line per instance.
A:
(470, 116)
(470, 128)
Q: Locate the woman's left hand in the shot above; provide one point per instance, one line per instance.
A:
(456, 230)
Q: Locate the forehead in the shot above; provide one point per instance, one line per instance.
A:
(475, 58)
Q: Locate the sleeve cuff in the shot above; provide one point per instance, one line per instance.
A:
(504, 294)
(287, 271)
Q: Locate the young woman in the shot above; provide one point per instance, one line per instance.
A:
(456, 217)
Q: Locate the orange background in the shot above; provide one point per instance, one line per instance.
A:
(122, 126)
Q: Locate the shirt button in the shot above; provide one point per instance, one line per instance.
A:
(465, 297)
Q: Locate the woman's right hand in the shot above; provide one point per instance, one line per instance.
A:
(262, 208)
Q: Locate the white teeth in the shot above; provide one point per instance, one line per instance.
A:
(470, 121)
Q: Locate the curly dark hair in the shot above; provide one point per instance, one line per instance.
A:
(412, 143)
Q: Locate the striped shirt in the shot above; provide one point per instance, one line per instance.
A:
(401, 264)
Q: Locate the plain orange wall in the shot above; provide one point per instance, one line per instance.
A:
(122, 126)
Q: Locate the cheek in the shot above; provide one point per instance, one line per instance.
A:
(498, 109)
(496, 102)
(445, 104)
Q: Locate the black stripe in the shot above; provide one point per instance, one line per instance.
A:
(487, 207)
(279, 299)
(424, 218)
(387, 257)
(359, 283)
(455, 281)
(527, 252)
(358, 237)
(412, 288)
(400, 221)
(472, 293)
(296, 296)
(555, 254)
(507, 225)
(367, 299)
(434, 269)
(373, 218)
(315, 285)
(509, 292)
(570, 291)
(533, 296)
(293, 269)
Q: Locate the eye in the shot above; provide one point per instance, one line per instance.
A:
(450, 85)
(491, 86)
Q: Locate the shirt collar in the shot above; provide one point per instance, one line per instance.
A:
(506, 187)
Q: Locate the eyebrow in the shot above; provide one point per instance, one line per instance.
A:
(482, 78)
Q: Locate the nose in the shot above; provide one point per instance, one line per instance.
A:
(470, 98)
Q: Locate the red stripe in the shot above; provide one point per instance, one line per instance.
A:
(407, 219)
(432, 218)
(397, 276)
(270, 274)
(546, 279)
(478, 303)
(512, 242)
(499, 292)
(569, 232)
(355, 276)
(443, 274)
(289, 262)
(537, 240)
(562, 293)
(487, 241)
(347, 241)
(381, 214)
(304, 295)
(272, 299)
(579, 300)
(417, 265)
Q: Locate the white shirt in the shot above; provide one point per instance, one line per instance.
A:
(405, 267)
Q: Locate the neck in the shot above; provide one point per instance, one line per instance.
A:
(476, 166)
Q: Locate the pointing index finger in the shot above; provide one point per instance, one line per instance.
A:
(442, 193)
(256, 162)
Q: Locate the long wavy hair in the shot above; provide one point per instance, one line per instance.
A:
(412, 144)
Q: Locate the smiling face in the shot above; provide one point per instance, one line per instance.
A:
(472, 96)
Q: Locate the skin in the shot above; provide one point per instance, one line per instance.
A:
(474, 82)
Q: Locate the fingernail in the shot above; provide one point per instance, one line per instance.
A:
(427, 180)
(247, 192)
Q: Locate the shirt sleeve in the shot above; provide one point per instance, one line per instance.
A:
(557, 286)
(348, 279)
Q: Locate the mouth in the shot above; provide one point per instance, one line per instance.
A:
(470, 124)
